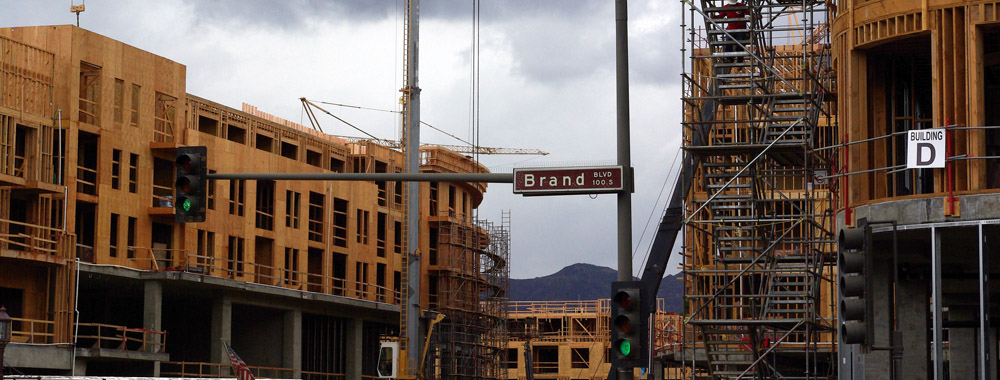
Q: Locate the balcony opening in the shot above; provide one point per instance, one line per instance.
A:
(293, 203)
(24, 152)
(397, 237)
(113, 236)
(86, 165)
(289, 151)
(116, 169)
(234, 257)
(264, 142)
(900, 88)
(133, 173)
(130, 250)
(263, 258)
(579, 357)
(163, 243)
(451, 200)
(90, 93)
(434, 198)
(397, 192)
(362, 226)
(340, 207)
(511, 358)
(265, 205)
(314, 266)
(380, 282)
(316, 206)
(206, 247)
(291, 276)
(397, 285)
(314, 158)
(360, 165)
(339, 273)
(336, 165)
(546, 359)
(433, 292)
(380, 233)
(208, 125)
(165, 118)
(432, 249)
(383, 195)
(18, 213)
(236, 134)
(237, 191)
(86, 219)
(163, 182)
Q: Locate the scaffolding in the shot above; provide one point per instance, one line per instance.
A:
(759, 245)
(473, 278)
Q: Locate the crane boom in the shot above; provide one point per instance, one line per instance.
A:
(395, 144)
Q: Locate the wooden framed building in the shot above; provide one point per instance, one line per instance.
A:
(89, 127)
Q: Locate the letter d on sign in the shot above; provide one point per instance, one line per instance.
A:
(579, 180)
(928, 159)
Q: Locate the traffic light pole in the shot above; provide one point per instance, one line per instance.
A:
(624, 154)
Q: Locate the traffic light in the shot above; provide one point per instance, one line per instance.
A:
(190, 184)
(628, 325)
(854, 263)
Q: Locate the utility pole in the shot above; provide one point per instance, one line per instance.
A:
(411, 138)
(624, 153)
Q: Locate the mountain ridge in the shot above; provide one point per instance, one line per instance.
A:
(587, 282)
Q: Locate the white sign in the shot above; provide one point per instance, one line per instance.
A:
(925, 148)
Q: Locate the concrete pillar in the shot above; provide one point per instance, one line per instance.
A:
(962, 343)
(292, 347)
(152, 316)
(222, 327)
(878, 363)
(79, 367)
(962, 353)
(352, 347)
(913, 310)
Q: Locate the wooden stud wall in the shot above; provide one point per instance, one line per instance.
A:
(956, 37)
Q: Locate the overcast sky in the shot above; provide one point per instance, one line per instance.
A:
(546, 75)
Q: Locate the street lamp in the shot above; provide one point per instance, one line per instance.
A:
(5, 327)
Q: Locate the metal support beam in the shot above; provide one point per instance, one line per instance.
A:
(411, 177)
(937, 319)
(984, 309)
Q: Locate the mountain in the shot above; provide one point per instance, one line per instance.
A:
(587, 282)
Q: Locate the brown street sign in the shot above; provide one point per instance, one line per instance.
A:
(573, 180)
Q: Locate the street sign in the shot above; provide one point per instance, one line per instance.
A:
(925, 148)
(573, 180)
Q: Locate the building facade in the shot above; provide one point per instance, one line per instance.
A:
(102, 281)
(928, 66)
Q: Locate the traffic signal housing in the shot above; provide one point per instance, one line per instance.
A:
(190, 184)
(629, 330)
(854, 267)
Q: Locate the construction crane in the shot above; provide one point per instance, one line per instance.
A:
(308, 106)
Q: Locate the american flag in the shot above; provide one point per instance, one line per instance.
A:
(239, 366)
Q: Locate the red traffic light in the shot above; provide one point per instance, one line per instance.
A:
(185, 162)
(624, 299)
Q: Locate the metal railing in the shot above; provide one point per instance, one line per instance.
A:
(291, 279)
(25, 330)
(217, 370)
(86, 180)
(97, 335)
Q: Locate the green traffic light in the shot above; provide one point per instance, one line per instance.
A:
(624, 347)
(186, 204)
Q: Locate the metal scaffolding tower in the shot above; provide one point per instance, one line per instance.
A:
(759, 221)
(470, 274)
